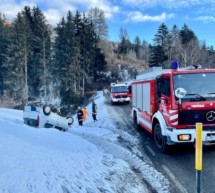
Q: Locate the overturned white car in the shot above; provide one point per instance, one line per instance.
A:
(42, 117)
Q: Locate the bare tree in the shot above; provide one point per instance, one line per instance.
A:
(98, 19)
(206, 56)
(187, 54)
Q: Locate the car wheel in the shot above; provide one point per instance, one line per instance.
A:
(160, 140)
(70, 120)
(46, 110)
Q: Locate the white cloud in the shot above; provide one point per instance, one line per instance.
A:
(142, 3)
(139, 17)
(81, 5)
(55, 9)
(206, 18)
(64, 5)
(110, 11)
(11, 8)
(166, 3)
(53, 16)
(108, 8)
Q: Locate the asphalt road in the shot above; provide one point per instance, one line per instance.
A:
(179, 164)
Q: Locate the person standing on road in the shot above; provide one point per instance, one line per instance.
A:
(80, 116)
(94, 111)
(85, 114)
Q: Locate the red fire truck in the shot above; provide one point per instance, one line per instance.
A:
(119, 93)
(169, 102)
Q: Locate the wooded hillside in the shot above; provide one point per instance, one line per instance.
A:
(61, 64)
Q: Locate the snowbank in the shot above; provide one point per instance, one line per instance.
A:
(86, 159)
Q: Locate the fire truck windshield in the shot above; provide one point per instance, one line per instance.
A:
(119, 89)
(197, 86)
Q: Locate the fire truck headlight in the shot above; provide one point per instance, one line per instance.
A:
(184, 137)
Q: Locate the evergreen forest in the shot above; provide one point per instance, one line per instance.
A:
(65, 63)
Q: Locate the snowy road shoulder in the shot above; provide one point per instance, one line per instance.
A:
(86, 159)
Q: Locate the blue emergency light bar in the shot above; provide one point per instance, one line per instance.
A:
(175, 65)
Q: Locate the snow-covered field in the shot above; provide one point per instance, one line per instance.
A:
(86, 159)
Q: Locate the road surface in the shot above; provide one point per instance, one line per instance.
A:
(178, 165)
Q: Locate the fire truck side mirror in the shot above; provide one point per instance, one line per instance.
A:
(180, 92)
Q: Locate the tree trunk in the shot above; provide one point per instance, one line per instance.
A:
(83, 81)
(26, 77)
(44, 70)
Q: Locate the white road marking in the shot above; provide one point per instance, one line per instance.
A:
(171, 175)
(150, 150)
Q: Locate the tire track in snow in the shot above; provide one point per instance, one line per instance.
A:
(156, 180)
(124, 126)
(127, 148)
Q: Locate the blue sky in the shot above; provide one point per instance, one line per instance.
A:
(139, 17)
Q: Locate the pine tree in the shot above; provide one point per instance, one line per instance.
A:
(145, 50)
(186, 34)
(91, 45)
(87, 52)
(125, 44)
(173, 44)
(161, 42)
(100, 66)
(4, 43)
(41, 51)
(137, 47)
(30, 42)
(154, 56)
(161, 37)
(58, 68)
(59, 60)
(67, 58)
(78, 61)
(19, 56)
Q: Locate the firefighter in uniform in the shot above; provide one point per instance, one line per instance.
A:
(94, 111)
(80, 116)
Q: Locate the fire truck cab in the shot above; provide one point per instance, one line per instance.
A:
(119, 93)
(169, 102)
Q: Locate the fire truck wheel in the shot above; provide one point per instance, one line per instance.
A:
(46, 110)
(136, 125)
(160, 140)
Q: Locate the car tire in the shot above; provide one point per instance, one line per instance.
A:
(70, 120)
(46, 110)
